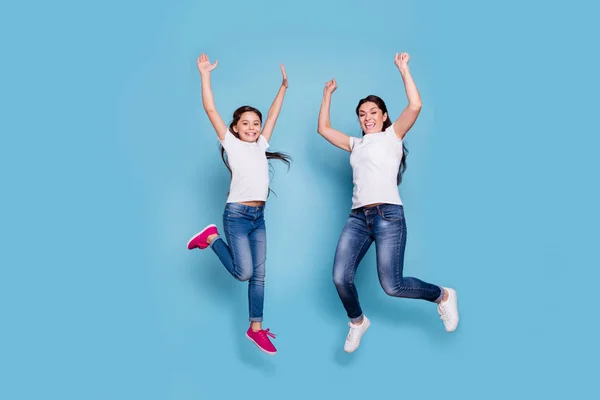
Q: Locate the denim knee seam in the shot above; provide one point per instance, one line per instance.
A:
(355, 257)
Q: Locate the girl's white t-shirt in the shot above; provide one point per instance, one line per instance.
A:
(375, 160)
(249, 168)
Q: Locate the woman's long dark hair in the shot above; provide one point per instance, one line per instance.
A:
(386, 124)
(275, 155)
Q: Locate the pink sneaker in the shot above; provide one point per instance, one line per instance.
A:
(261, 339)
(199, 239)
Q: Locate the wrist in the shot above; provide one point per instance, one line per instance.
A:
(404, 69)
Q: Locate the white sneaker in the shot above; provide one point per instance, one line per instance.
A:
(355, 334)
(448, 311)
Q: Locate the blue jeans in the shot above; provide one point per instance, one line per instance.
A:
(245, 256)
(384, 225)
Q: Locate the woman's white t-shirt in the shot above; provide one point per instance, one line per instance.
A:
(375, 160)
(249, 168)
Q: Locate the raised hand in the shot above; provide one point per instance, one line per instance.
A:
(330, 87)
(284, 81)
(204, 65)
(401, 60)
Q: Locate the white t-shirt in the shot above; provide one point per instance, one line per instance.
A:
(249, 168)
(375, 160)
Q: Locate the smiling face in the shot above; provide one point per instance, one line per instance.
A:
(248, 126)
(371, 117)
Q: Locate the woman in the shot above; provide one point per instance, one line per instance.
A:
(378, 160)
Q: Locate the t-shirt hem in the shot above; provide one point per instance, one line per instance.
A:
(234, 200)
(359, 205)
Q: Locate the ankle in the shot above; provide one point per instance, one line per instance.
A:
(256, 326)
(445, 296)
(211, 238)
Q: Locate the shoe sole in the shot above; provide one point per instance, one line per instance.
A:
(260, 348)
(196, 235)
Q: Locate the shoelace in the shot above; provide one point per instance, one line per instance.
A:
(444, 315)
(267, 332)
(352, 333)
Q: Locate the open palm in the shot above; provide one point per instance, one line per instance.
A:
(204, 64)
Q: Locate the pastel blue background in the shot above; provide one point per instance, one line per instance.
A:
(108, 165)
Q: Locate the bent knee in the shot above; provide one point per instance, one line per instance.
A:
(244, 273)
(342, 279)
(392, 289)
(245, 276)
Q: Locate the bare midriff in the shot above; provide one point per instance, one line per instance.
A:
(253, 203)
(373, 205)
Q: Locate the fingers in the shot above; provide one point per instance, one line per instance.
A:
(401, 58)
(331, 85)
(203, 58)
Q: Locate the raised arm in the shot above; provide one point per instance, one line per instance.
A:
(205, 68)
(275, 107)
(408, 117)
(333, 136)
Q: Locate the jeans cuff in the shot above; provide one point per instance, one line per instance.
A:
(441, 296)
(357, 319)
(214, 240)
(256, 319)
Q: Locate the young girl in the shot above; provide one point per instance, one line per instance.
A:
(244, 152)
(378, 161)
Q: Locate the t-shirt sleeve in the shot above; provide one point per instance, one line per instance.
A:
(263, 142)
(389, 132)
(352, 142)
(394, 141)
(391, 135)
(228, 140)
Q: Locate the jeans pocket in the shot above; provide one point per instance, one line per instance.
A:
(233, 213)
(392, 213)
